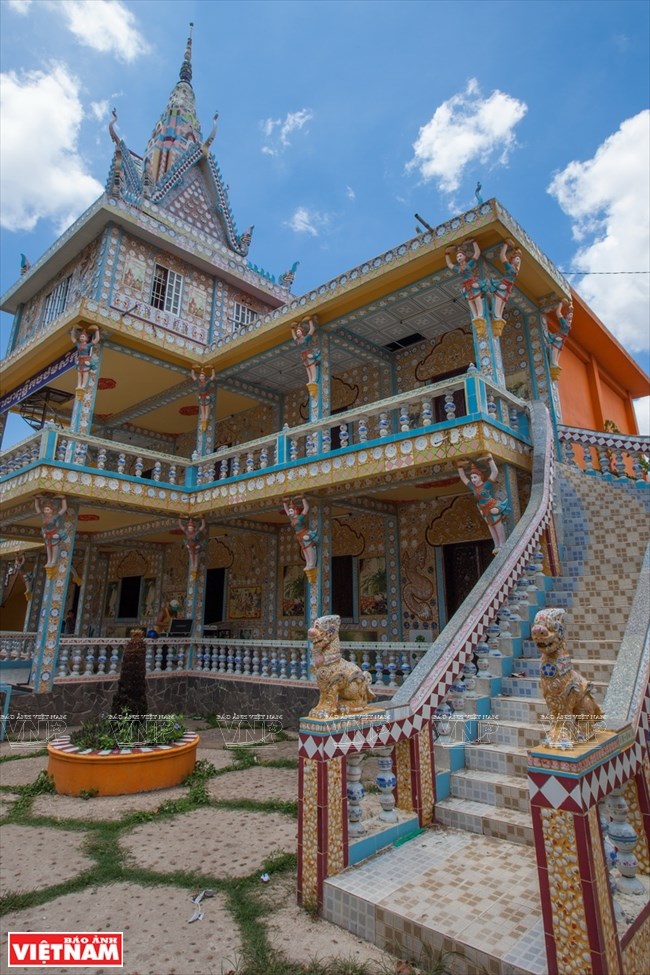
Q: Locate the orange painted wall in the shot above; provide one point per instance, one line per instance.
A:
(575, 392)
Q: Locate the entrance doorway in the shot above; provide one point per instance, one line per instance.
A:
(464, 564)
(215, 587)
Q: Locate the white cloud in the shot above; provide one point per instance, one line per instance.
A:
(277, 131)
(100, 109)
(104, 25)
(349, 192)
(19, 6)
(642, 410)
(42, 173)
(305, 221)
(608, 200)
(464, 129)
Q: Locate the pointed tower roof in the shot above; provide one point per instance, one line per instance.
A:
(178, 127)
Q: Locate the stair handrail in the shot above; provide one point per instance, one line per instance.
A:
(628, 683)
(481, 605)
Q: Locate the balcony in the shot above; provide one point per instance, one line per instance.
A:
(369, 447)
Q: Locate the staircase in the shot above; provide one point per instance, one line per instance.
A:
(482, 787)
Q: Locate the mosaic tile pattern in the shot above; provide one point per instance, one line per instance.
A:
(608, 940)
(569, 921)
(421, 897)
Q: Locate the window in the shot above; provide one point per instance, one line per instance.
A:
(129, 597)
(56, 300)
(342, 583)
(242, 315)
(166, 290)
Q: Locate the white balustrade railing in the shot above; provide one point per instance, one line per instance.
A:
(429, 407)
(16, 646)
(387, 663)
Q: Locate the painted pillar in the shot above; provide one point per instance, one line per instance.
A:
(84, 405)
(34, 602)
(90, 607)
(3, 426)
(55, 591)
(322, 822)
(195, 598)
(206, 426)
(414, 768)
(393, 599)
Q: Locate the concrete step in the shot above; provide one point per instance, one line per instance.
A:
(476, 817)
(503, 759)
(447, 889)
(492, 788)
(593, 669)
(517, 734)
(515, 708)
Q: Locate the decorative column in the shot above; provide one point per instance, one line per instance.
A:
(322, 820)
(413, 764)
(89, 359)
(59, 530)
(195, 541)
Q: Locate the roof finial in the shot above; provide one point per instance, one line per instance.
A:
(186, 67)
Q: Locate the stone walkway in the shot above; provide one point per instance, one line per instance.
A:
(132, 864)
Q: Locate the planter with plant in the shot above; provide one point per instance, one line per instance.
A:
(128, 750)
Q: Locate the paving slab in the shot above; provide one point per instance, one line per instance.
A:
(259, 783)
(214, 842)
(109, 808)
(157, 936)
(34, 858)
(22, 771)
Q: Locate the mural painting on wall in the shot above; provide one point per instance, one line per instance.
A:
(149, 598)
(110, 609)
(245, 603)
(195, 302)
(293, 591)
(418, 590)
(134, 273)
(456, 521)
(453, 351)
(493, 510)
(372, 587)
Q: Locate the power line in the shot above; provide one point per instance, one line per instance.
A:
(575, 271)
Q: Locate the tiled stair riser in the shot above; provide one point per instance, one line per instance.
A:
(595, 670)
(519, 709)
(491, 788)
(517, 735)
(488, 758)
(475, 817)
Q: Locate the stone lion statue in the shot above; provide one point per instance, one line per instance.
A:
(344, 688)
(567, 693)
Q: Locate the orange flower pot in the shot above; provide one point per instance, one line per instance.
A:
(120, 773)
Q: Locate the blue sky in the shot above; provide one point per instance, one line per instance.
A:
(339, 120)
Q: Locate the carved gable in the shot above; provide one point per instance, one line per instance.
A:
(193, 204)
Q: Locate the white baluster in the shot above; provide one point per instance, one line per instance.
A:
(139, 466)
(157, 468)
(250, 462)
(362, 427)
(404, 419)
(235, 465)
(264, 458)
(121, 463)
(355, 793)
(101, 458)
(386, 782)
(63, 661)
(90, 661)
(114, 659)
(426, 414)
(171, 476)
(384, 425)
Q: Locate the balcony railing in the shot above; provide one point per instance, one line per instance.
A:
(388, 664)
(398, 419)
(612, 456)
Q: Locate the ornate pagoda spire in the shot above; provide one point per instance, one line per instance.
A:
(178, 127)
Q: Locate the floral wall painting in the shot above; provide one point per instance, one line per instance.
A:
(134, 273)
(372, 587)
(293, 590)
(110, 609)
(148, 599)
(245, 603)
